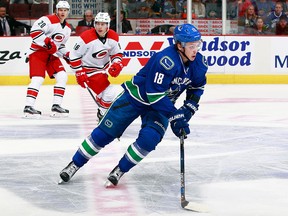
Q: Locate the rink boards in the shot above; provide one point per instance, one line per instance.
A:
(231, 59)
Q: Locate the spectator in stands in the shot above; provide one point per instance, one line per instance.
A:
(260, 28)
(169, 10)
(5, 3)
(125, 7)
(242, 7)
(143, 10)
(131, 8)
(9, 24)
(154, 9)
(274, 16)
(126, 25)
(264, 7)
(282, 26)
(247, 22)
(179, 7)
(198, 8)
(285, 6)
(213, 9)
(232, 9)
(88, 19)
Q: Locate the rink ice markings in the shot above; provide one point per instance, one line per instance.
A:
(122, 200)
(226, 198)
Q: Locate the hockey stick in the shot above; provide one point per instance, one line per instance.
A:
(90, 92)
(192, 206)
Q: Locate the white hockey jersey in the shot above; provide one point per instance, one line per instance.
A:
(94, 54)
(50, 26)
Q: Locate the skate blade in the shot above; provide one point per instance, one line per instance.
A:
(60, 181)
(109, 184)
(59, 115)
(31, 116)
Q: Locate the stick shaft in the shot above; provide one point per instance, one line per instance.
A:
(182, 171)
(90, 92)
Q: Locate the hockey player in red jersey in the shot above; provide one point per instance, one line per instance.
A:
(49, 35)
(96, 51)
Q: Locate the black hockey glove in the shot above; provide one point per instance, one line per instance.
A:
(189, 108)
(179, 123)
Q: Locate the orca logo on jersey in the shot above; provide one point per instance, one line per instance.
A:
(101, 54)
(58, 37)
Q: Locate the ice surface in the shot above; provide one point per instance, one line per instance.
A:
(236, 158)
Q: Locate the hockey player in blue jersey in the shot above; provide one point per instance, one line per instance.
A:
(151, 94)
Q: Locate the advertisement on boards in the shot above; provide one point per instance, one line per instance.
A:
(225, 55)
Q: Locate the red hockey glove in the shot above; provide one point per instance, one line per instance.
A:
(50, 45)
(67, 58)
(115, 69)
(81, 78)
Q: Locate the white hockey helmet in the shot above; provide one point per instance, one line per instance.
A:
(62, 4)
(103, 17)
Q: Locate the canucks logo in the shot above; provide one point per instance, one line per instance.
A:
(108, 123)
(167, 62)
(204, 61)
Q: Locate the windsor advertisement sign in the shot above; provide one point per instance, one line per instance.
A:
(225, 55)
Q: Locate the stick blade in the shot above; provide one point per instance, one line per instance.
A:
(193, 206)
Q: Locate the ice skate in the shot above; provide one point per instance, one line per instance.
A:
(67, 173)
(114, 177)
(99, 115)
(30, 112)
(58, 111)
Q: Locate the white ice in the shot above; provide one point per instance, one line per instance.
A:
(236, 158)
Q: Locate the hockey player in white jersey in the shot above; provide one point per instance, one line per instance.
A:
(96, 51)
(49, 35)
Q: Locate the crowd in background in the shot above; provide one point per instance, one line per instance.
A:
(254, 17)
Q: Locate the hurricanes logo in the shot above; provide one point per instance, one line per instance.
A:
(101, 54)
(58, 37)
(135, 50)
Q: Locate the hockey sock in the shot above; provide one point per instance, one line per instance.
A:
(33, 89)
(86, 151)
(133, 156)
(146, 142)
(59, 88)
(91, 146)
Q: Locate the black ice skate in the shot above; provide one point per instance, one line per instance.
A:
(99, 115)
(30, 112)
(58, 111)
(67, 173)
(114, 177)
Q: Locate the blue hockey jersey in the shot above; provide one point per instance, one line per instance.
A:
(163, 79)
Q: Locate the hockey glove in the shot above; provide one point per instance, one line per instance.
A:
(115, 69)
(189, 108)
(179, 123)
(50, 45)
(66, 58)
(81, 78)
